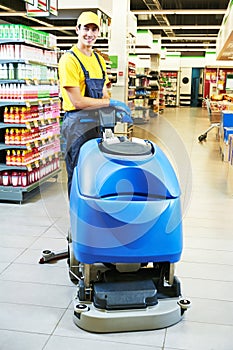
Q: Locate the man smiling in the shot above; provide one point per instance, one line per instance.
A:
(83, 80)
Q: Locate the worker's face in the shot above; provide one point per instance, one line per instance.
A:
(87, 34)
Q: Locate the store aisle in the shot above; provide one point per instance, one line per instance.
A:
(36, 300)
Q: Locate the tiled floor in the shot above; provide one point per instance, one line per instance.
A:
(36, 300)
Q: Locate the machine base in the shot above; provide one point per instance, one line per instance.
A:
(166, 313)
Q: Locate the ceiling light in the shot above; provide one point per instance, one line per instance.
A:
(6, 14)
(189, 44)
(197, 27)
(55, 28)
(185, 49)
(201, 38)
(180, 12)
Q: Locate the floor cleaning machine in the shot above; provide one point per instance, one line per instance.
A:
(125, 236)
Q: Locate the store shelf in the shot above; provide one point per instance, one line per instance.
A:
(29, 102)
(19, 194)
(4, 146)
(30, 153)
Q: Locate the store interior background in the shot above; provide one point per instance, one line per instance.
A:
(180, 37)
(36, 300)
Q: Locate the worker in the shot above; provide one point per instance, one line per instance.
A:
(83, 80)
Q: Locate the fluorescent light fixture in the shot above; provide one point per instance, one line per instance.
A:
(55, 27)
(197, 27)
(180, 12)
(21, 14)
(189, 44)
(185, 49)
(67, 37)
(201, 38)
(71, 44)
(12, 14)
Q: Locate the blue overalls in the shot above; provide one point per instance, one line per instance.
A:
(80, 126)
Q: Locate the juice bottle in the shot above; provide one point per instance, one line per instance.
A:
(18, 158)
(8, 157)
(7, 137)
(6, 115)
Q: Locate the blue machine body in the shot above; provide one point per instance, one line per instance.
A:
(125, 208)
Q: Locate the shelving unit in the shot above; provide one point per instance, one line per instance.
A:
(141, 112)
(154, 94)
(29, 118)
(138, 95)
(168, 81)
(131, 84)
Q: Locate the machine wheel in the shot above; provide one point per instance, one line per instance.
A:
(202, 137)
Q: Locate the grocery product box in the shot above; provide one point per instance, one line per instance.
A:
(227, 119)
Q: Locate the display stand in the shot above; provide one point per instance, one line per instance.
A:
(168, 80)
(141, 101)
(29, 118)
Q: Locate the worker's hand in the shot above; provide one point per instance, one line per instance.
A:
(121, 106)
(124, 117)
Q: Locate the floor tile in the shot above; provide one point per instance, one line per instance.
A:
(9, 254)
(29, 318)
(205, 271)
(16, 241)
(202, 336)
(3, 266)
(12, 340)
(36, 294)
(210, 311)
(200, 288)
(40, 273)
(208, 256)
(59, 343)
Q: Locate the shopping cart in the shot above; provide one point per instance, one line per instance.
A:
(214, 113)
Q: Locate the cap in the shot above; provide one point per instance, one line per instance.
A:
(87, 18)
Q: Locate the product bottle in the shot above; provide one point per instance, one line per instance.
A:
(6, 115)
(14, 178)
(7, 137)
(8, 157)
(5, 178)
(24, 179)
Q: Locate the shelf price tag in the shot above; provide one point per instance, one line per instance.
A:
(29, 167)
(28, 126)
(28, 146)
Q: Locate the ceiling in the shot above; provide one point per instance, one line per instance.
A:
(191, 32)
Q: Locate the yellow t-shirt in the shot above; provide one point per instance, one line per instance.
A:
(71, 73)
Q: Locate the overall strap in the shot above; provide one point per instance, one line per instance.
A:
(86, 73)
(98, 59)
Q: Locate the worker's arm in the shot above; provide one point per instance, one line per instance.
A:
(105, 92)
(83, 102)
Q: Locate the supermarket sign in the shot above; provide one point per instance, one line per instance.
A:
(41, 8)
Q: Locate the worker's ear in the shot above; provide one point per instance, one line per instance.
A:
(77, 30)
